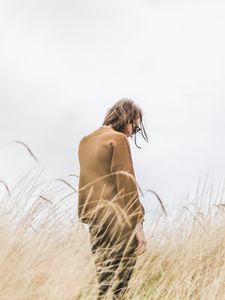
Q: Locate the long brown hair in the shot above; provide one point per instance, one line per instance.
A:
(123, 112)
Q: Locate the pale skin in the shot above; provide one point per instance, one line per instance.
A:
(140, 235)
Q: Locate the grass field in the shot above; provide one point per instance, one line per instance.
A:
(45, 252)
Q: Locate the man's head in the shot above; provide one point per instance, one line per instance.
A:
(126, 116)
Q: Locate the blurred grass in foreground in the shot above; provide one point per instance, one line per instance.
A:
(45, 252)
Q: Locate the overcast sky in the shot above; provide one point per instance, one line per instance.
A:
(64, 63)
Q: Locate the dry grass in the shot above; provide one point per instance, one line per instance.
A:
(45, 254)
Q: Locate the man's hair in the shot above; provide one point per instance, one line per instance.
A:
(123, 112)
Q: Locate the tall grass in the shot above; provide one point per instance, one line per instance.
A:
(45, 253)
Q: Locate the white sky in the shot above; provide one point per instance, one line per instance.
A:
(63, 63)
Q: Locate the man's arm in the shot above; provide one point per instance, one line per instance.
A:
(126, 183)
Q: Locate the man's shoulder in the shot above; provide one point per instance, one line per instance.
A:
(119, 135)
(113, 135)
(119, 139)
(83, 138)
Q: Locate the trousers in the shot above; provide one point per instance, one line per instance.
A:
(114, 260)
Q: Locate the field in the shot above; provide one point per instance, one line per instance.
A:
(45, 253)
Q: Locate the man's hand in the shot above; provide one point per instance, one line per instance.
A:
(140, 236)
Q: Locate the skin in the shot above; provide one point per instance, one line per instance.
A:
(140, 235)
(142, 242)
